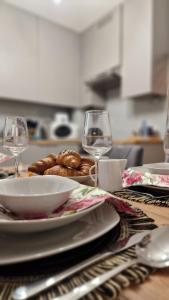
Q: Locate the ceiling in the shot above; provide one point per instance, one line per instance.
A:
(73, 14)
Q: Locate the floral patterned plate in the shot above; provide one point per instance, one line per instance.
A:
(133, 177)
(82, 202)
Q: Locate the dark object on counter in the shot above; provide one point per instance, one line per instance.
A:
(3, 175)
(32, 125)
(63, 131)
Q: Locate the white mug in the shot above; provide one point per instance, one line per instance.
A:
(110, 174)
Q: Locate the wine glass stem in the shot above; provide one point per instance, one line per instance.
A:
(16, 166)
(167, 158)
(96, 173)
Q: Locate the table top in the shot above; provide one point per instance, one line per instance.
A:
(157, 286)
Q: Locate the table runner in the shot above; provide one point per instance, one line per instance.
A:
(129, 224)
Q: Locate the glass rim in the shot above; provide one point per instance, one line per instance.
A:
(97, 111)
(14, 117)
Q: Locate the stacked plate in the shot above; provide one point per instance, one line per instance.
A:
(25, 240)
(161, 168)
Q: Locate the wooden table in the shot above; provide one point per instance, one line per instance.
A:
(157, 286)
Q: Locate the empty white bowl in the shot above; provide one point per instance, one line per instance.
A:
(37, 195)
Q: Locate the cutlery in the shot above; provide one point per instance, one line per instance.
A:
(26, 291)
(153, 251)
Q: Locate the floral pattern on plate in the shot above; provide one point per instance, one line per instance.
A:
(134, 177)
(81, 199)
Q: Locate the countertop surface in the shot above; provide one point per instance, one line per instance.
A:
(129, 140)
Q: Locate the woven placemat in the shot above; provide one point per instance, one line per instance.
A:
(145, 197)
(129, 225)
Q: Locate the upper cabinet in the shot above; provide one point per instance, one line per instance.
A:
(145, 47)
(39, 61)
(59, 65)
(18, 54)
(101, 49)
(101, 45)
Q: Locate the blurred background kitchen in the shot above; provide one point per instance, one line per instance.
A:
(59, 58)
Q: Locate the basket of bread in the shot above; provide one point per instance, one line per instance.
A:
(67, 163)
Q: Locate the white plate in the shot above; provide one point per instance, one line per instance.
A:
(17, 248)
(25, 226)
(158, 168)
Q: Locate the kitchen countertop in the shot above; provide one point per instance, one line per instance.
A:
(129, 140)
(54, 142)
(140, 140)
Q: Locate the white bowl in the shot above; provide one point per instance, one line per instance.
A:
(37, 195)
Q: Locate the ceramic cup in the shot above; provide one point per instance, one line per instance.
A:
(110, 174)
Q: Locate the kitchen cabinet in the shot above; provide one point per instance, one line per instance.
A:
(59, 65)
(101, 45)
(39, 61)
(101, 48)
(90, 98)
(145, 47)
(18, 54)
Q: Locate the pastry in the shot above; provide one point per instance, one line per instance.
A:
(69, 158)
(85, 165)
(41, 165)
(62, 171)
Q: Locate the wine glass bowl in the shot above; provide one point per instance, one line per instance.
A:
(15, 137)
(97, 136)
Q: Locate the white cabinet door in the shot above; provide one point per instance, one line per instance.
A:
(59, 65)
(101, 45)
(145, 47)
(137, 47)
(18, 54)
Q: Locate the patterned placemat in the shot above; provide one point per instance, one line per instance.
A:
(129, 225)
(145, 195)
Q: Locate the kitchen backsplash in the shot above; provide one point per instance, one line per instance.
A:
(30, 110)
(127, 114)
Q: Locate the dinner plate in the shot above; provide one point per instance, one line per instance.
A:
(158, 168)
(21, 248)
(38, 225)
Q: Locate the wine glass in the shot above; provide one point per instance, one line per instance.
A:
(97, 136)
(15, 138)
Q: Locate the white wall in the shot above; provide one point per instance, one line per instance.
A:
(127, 114)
